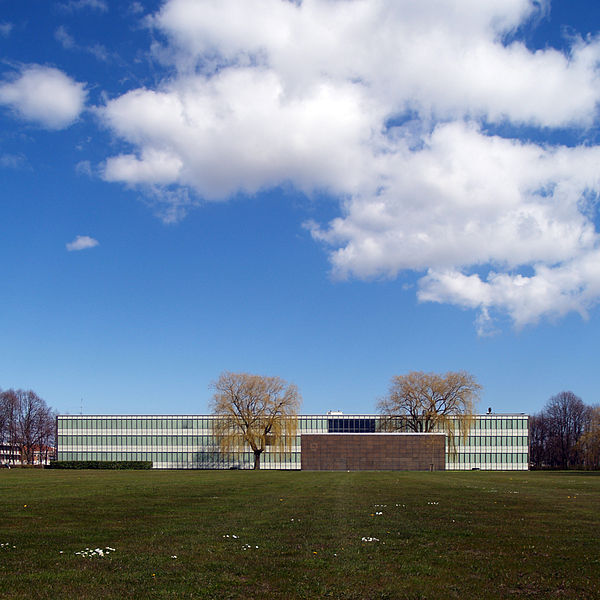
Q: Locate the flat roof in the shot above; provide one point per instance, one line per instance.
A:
(352, 415)
(377, 433)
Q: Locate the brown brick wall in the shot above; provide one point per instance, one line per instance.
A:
(373, 452)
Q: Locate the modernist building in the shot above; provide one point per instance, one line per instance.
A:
(494, 441)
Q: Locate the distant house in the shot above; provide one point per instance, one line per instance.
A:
(17, 455)
(9, 455)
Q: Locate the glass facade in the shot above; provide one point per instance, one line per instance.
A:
(494, 442)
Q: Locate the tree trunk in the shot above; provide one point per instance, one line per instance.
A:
(257, 459)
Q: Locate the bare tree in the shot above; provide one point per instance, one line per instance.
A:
(3, 417)
(254, 411)
(425, 402)
(28, 417)
(44, 432)
(557, 433)
(539, 440)
(9, 407)
(567, 416)
(26, 423)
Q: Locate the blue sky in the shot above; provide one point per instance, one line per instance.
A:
(330, 192)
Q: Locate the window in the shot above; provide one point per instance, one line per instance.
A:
(351, 425)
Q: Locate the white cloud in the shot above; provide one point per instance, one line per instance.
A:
(445, 58)
(65, 39)
(82, 242)
(136, 8)
(384, 104)
(226, 134)
(170, 205)
(5, 29)
(44, 95)
(13, 161)
(75, 5)
(466, 199)
(99, 51)
(84, 167)
(550, 292)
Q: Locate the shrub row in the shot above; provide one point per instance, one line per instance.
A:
(118, 465)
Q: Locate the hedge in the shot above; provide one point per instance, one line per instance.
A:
(118, 465)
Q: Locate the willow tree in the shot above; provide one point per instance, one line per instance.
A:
(426, 402)
(254, 411)
(589, 442)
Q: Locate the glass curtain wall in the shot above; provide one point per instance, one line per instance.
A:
(494, 442)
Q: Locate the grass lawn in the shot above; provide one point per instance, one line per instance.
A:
(240, 534)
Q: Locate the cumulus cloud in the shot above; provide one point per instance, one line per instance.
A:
(466, 198)
(226, 134)
(82, 242)
(573, 285)
(387, 106)
(45, 96)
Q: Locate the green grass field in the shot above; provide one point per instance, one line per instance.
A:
(299, 535)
